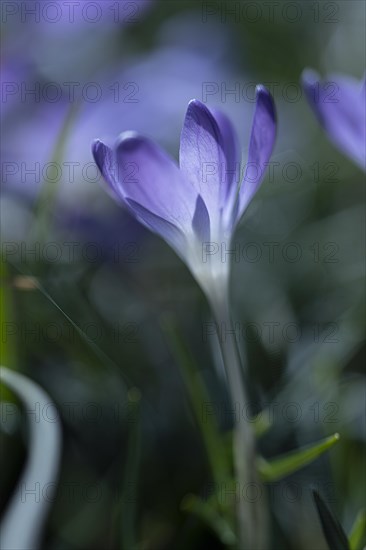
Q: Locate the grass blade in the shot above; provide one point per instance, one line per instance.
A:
(289, 463)
(358, 531)
(210, 517)
(199, 397)
(332, 529)
(128, 504)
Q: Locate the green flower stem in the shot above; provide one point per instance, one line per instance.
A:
(251, 512)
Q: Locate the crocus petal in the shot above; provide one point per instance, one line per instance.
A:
(202, 156)
(231, 149)
(261, 145)
(168, 231)
(231, 174)
(148, 176)
(340, 105)
(201, 221)
(105, 161)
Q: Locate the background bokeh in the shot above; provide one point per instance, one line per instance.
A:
(87, 292)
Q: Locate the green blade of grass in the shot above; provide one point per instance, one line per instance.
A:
(288, 463)
(210, 517)
(332, 529)
(214, 443)
(358, 531)
(47, 196)
(128, 504)
(261, 424)
(8, 353)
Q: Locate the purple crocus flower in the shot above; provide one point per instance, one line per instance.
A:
(340, 105)
(197, 206)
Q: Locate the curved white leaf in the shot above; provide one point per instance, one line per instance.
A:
(23, 520)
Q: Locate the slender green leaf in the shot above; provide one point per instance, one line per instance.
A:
(43, 208)
(261, 424)
(22, 523)
(288, 463)
(130, 483)
(210, 517)
(358, 531)
(104, 358)
(8, 353)
(332, 529)
(214, 443)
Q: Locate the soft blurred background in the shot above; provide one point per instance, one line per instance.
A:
(87, 293)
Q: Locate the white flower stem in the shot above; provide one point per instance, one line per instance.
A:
(251, 516)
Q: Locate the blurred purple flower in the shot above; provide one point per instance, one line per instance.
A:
(197, 207)
(148, 93)
(58, 16)
(93, 30)
(340, 105)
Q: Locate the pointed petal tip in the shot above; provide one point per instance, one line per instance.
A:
(309, 81)
(262, 141)
(260, 88)
(128, 138)
(194, 102)
(309, 77)
(100, 151)
(196, 106)
(96, 144)
(264, 96)
(200, 113)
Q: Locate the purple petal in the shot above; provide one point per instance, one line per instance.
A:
(231, 150)
(105, 161)
(261, 145)
(202, 156)
(148, 176)
(339, 103)
(201, 221)
(169, 232)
